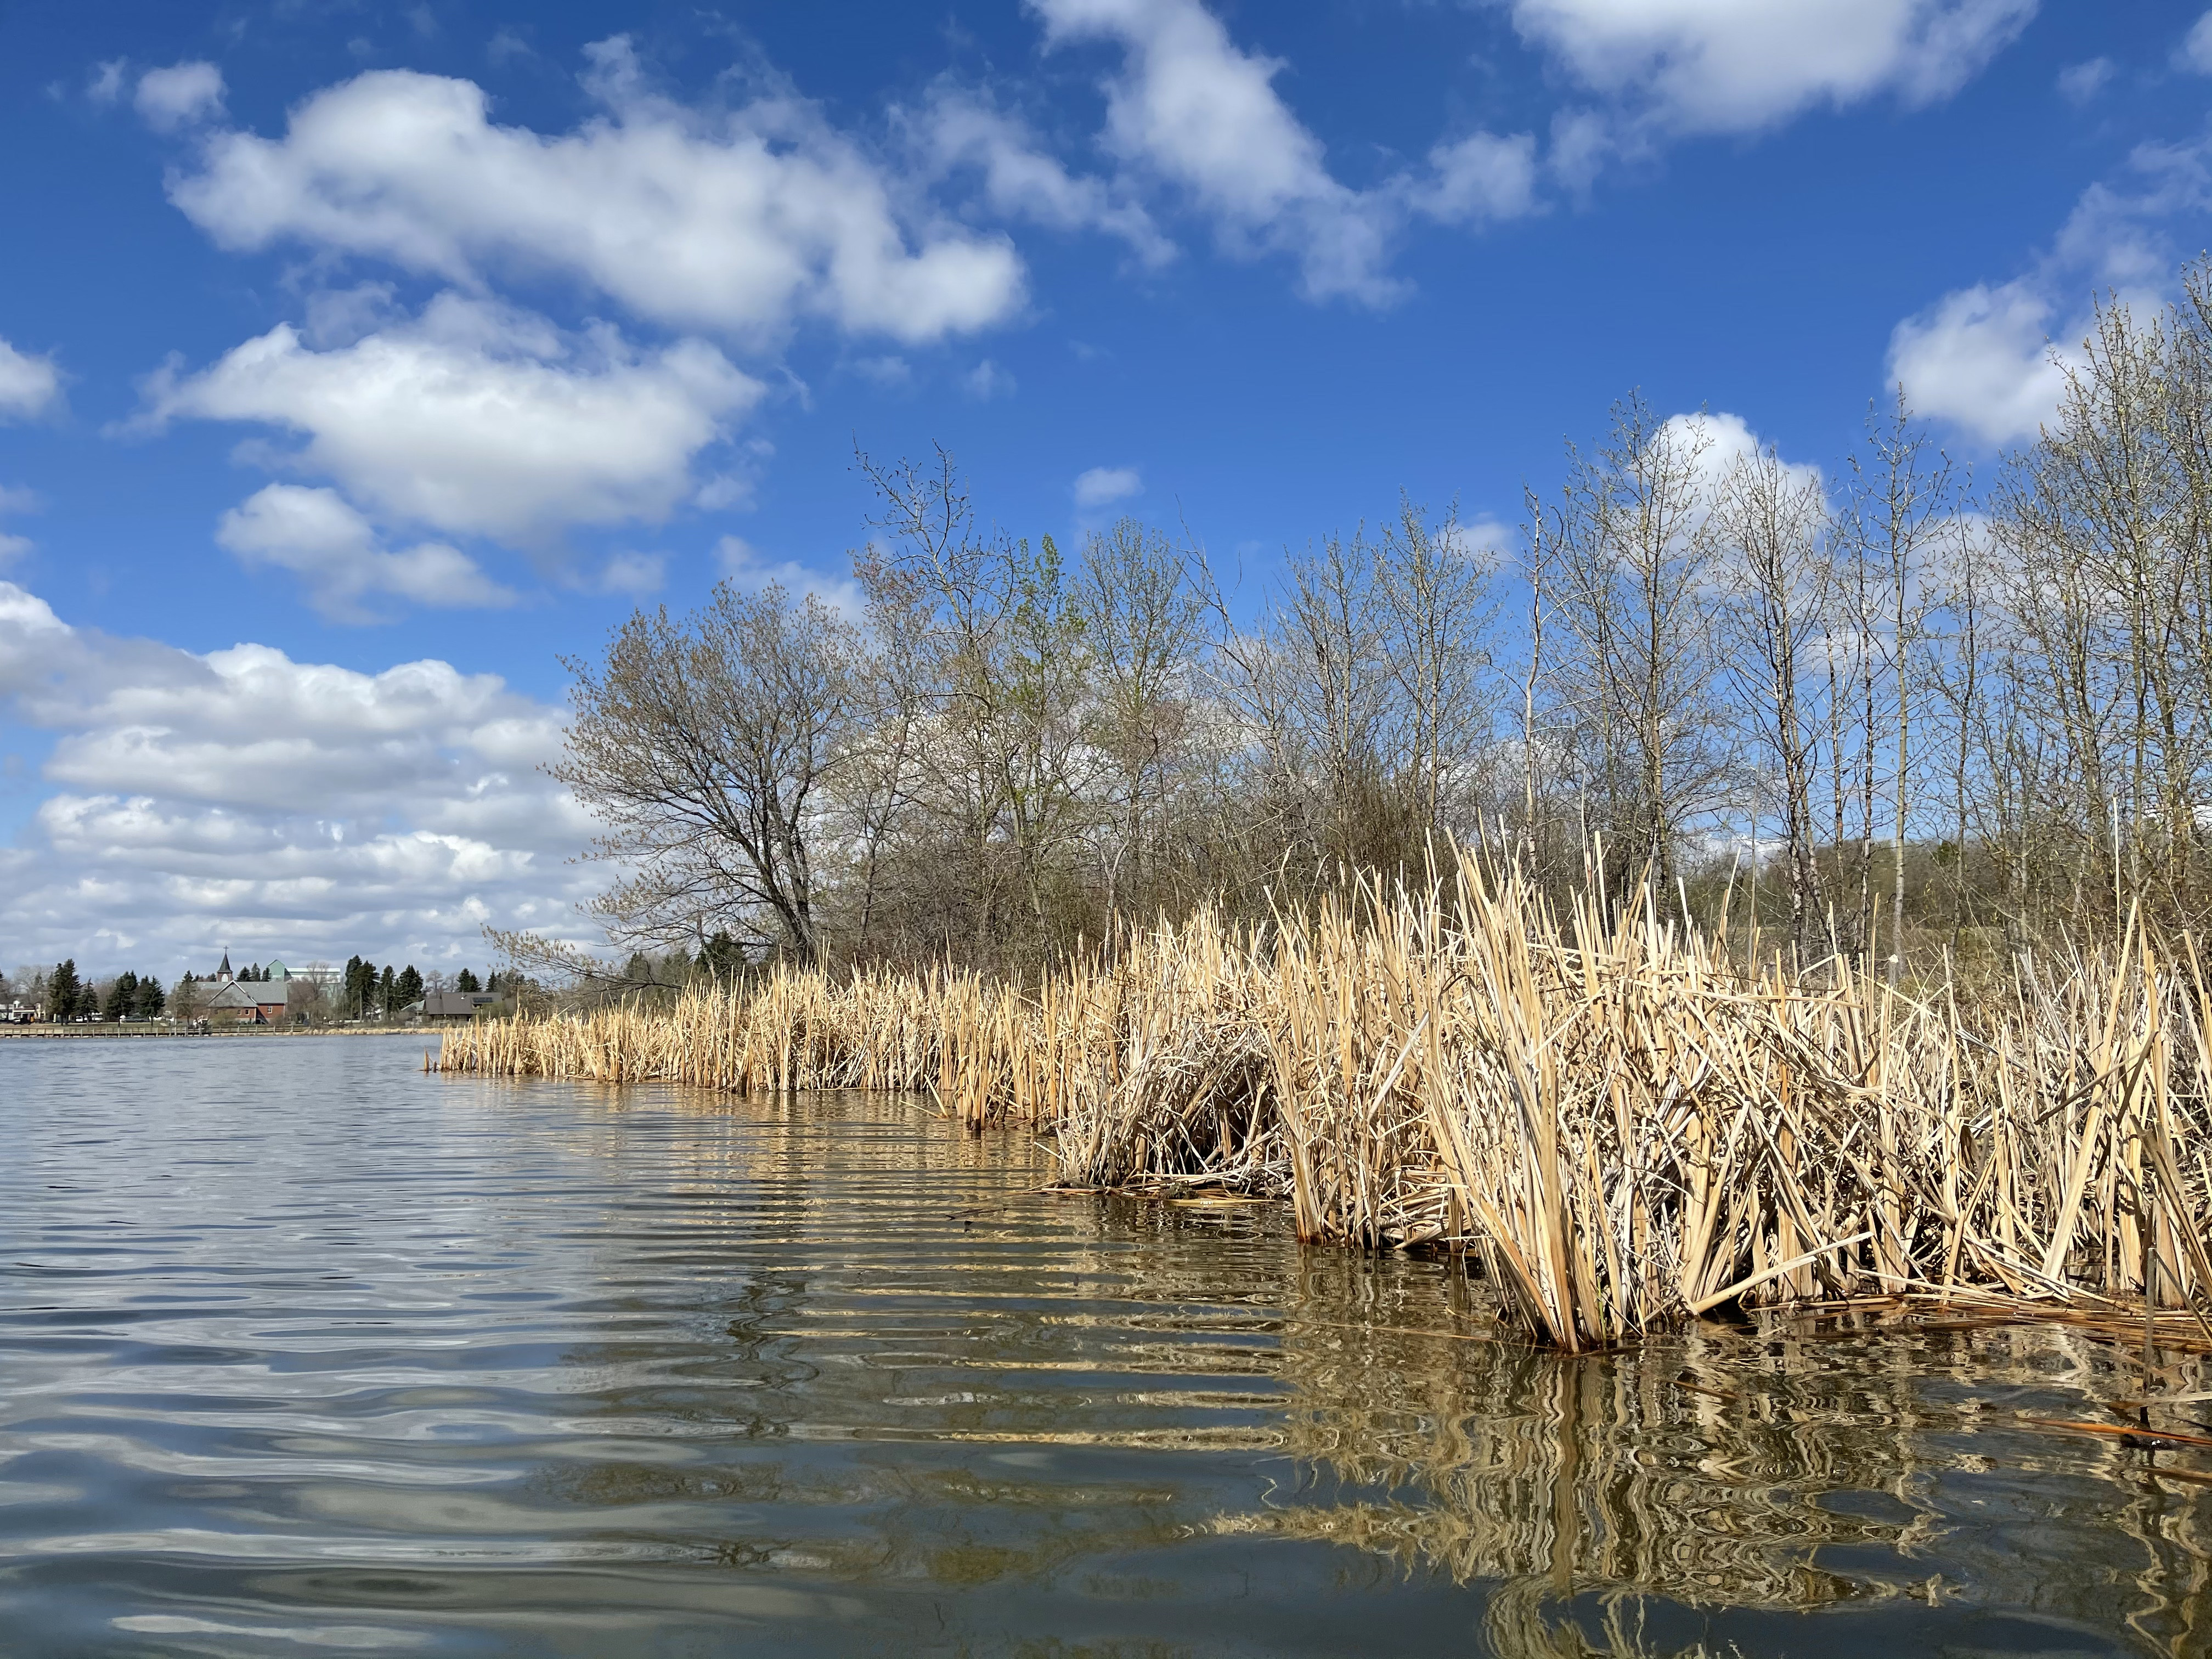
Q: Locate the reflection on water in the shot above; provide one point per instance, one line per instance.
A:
(301, 1351)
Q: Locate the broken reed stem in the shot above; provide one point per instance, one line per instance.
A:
(1623, 1125)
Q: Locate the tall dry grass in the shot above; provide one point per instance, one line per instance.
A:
(1627, 1128)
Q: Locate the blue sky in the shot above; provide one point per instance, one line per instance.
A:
(362, 360)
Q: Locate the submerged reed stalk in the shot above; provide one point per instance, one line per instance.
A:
(1628, 1129)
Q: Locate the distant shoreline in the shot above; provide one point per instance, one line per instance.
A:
(106, 1031)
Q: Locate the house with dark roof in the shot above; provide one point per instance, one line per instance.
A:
(265, 999)
(248, 1004)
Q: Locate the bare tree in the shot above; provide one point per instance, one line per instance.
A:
(1144, 617)
(1636, 568)
(1903, 500)
(1772, 520)
(704, 744)
(1433, 586)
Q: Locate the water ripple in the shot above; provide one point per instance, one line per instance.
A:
(301, 1351)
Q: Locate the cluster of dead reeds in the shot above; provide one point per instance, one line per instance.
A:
(1626, 1127)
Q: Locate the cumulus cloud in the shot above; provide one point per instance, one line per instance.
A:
(1990, 357)
(1741, 65)
(742, 566)
(324, 540)
(1192, 109)
(29, 386)
(1481, 177)
(959, 129)
(240, 799)
(477, 419)
(1192, 106)
(1720, 441)
(742, 223)
(178, 96)
(1981, 357)
(1102, 486)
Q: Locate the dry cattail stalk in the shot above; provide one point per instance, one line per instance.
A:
(1626, 1128)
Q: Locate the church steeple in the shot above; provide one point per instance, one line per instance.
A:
(222, 973)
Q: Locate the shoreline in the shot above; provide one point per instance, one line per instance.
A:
(262, 1032)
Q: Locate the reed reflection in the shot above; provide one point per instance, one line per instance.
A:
(1791, 1465)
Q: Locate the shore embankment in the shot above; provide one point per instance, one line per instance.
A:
(1626, 1127)
(130, 1029)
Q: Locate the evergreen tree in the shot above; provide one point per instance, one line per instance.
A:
(466, 980)
(409, 986)
(359, 987)
(723, 957)
(149, 1001)
(121, 994)
(385, 988)
(63, 990)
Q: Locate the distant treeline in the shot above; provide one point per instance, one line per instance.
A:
(62, 994)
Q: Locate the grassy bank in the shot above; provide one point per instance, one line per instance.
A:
(1628, 1129)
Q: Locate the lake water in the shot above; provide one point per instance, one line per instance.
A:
(303, 1351)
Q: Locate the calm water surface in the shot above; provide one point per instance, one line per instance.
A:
(302, 1351)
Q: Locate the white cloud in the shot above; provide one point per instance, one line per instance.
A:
(178, 96)
(1981, 358)
(742, 222)
(959, 129)
(1192, 107)
(1721, 440)
(743, 567)
(1482, 177)
(1739, 65)
(320, 537)
(2196, 49)
(886, 371)
(480, 420)
(15, 500)
(2079, 83)
(105, 84)
(1101, 486)
(1989, 357)
(634, 573)
(28, 385)
(241, 799)
(987, 380)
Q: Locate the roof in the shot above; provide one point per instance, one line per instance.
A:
(233, 996)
